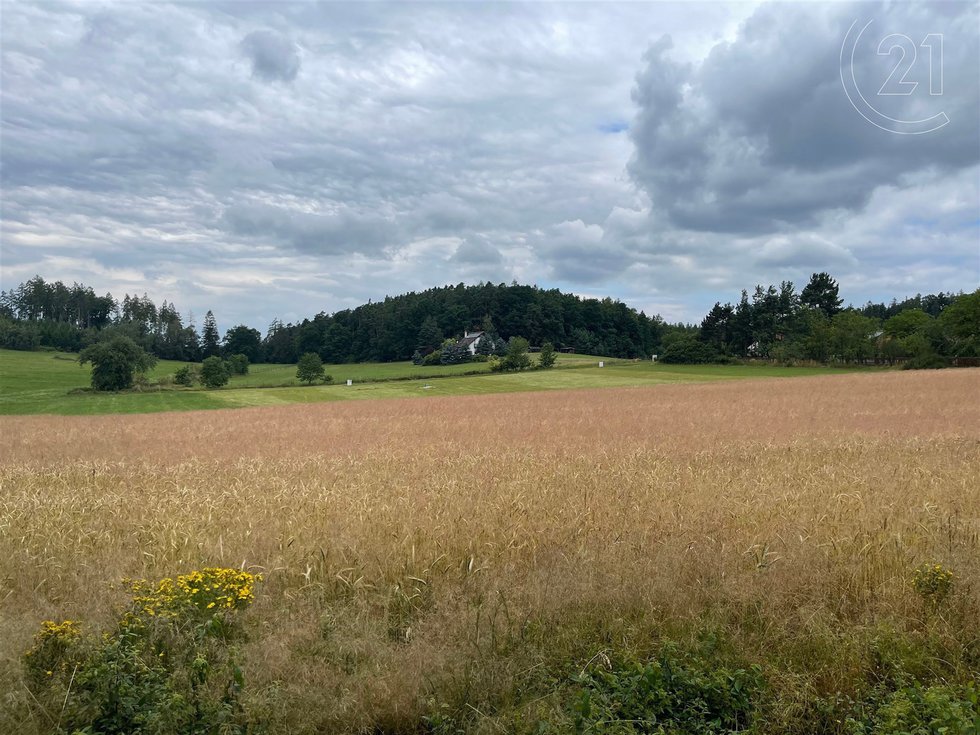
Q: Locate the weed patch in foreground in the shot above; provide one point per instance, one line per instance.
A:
(675, 693)
(170, 665)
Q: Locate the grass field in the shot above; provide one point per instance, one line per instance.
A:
(40, 383)
(738, 554)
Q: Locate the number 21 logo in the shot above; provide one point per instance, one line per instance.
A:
(905, 54)
(904, 47)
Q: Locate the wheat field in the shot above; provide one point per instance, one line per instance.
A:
(469, 555)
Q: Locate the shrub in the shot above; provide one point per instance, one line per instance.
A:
(417, 358)
(516, 357)
(238, 364)
(214, 372)
(187, 376)
(933, 582)
(688, 350)
(52, 652)
(674, 694)
(928, 361)
(309, 369)
(433, 358)
(547, 357)
(919, 710)
(18, 336)
(115, 362)
(168, 666)
(454, 354)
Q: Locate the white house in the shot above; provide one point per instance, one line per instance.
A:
(470, 341)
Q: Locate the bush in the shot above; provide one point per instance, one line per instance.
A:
(115, 362)
(928, 361)
(417, 358)
(433, 358)
(688, 350)
(919, 710)
(187, 376)
(18, 336)
(933, 582)
(309, 369)
(675, 694)
(214, 372)
(167, 666)
(547, 357)
(516, 357)
(238, 364)
(453, 354)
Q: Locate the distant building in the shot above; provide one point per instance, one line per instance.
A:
(470, 341)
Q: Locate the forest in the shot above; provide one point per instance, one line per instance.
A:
(774, 322)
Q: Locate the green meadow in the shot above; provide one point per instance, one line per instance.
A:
(54, 383)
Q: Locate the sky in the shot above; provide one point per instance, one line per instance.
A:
(276, 160)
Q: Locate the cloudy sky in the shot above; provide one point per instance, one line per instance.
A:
(279, 159)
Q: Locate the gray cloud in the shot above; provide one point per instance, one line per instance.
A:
(319, 233)
(279, 159)
(273, 56)
(760, 136)
(804, 251)
(472, 253)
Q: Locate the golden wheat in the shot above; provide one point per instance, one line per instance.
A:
(411, 545)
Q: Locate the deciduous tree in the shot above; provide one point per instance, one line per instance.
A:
(309, 369)
(214, 372)
(115, 362)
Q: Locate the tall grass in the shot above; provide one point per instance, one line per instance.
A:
(456, 564)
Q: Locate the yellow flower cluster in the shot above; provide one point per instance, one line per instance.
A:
(210, 589)
(47, 655)
(66, 630)
(933, 581)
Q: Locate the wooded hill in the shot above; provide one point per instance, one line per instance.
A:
(774, 322)
(38, 313)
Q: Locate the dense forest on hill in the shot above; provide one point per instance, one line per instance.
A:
(39, 313)
(774, 322)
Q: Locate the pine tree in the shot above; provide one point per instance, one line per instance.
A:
(210, 340)
(822, 292)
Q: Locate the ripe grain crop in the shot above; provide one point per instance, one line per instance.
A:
(459, 560)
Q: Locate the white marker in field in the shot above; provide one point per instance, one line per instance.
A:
(350, 382)
(602, 363)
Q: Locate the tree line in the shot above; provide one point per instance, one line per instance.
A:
(777, 323)
(774, 323)
(396, 328)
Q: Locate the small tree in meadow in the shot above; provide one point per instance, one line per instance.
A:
(309, 369)
(516, 357)
(238, 364)
(115, 362)
(214, 372)
(547, 357)
(186, 376)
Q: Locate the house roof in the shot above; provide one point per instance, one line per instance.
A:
(469, 339)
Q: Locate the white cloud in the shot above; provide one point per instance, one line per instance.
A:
(276, 160)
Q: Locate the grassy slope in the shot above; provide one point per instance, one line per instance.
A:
(39, 382)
